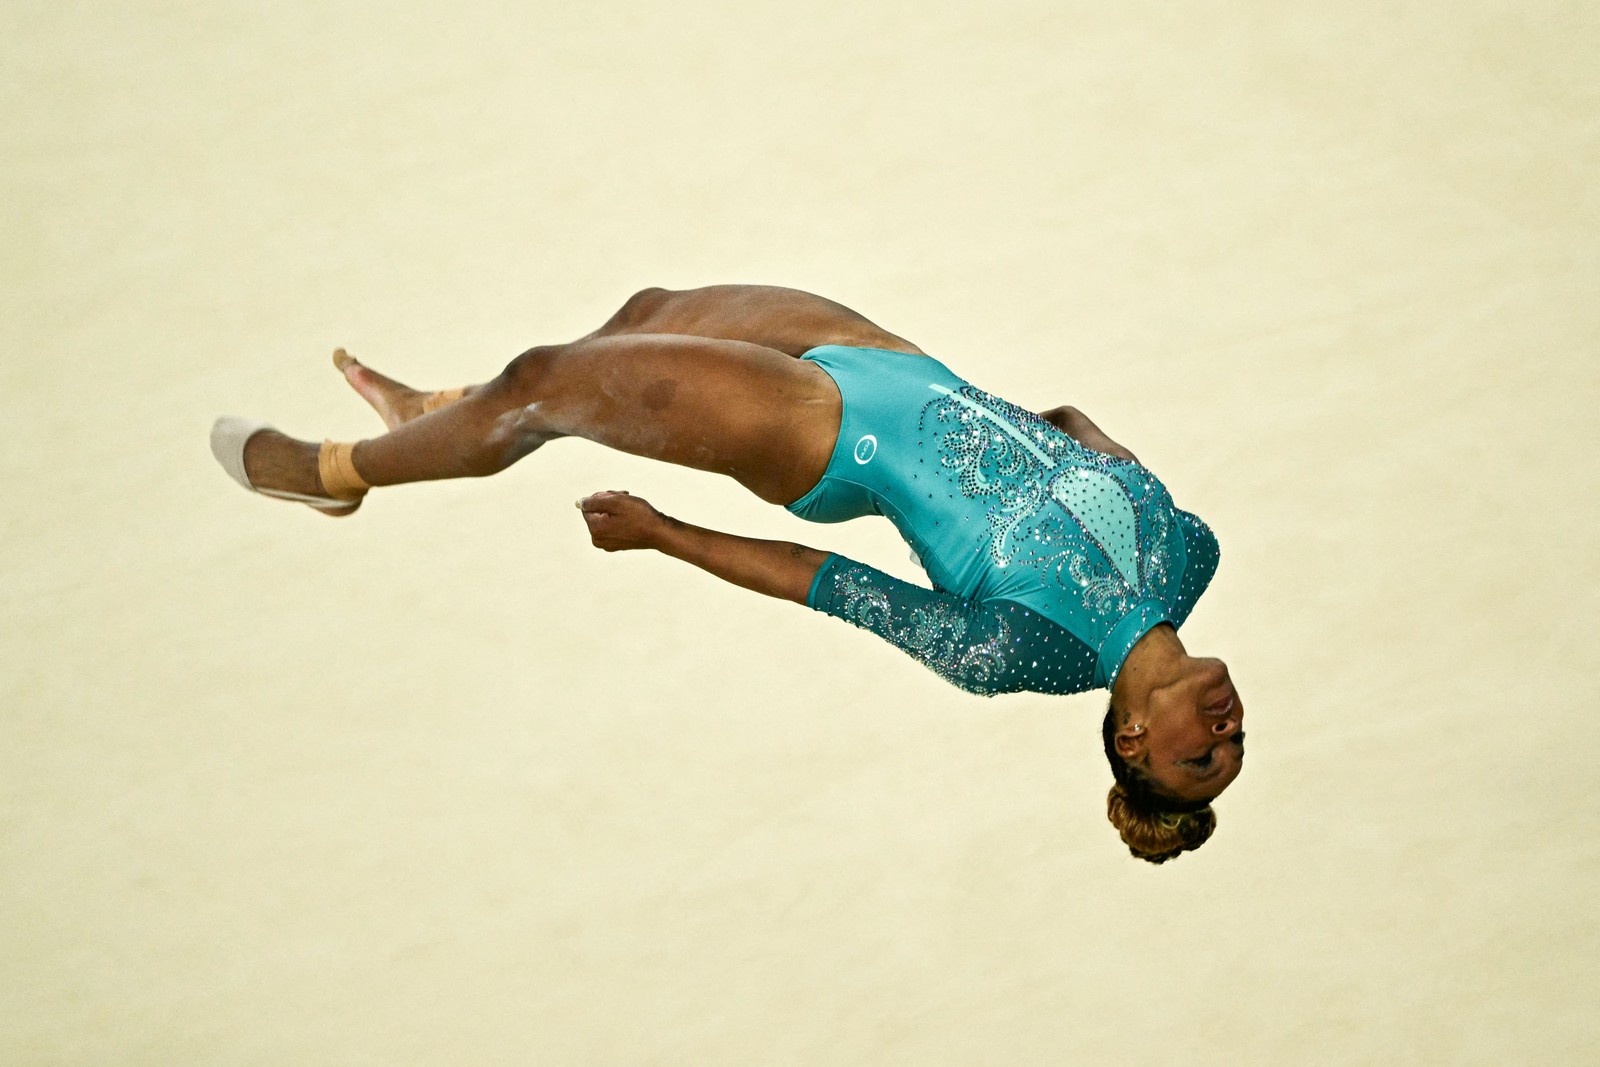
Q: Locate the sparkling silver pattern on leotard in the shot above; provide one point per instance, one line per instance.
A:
(983, 647)
(1045, 495)
(935, 633)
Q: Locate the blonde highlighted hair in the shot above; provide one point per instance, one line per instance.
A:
(1157, 836)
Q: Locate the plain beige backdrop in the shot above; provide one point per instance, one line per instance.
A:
(442, 785)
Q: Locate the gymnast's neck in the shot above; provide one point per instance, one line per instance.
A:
(1157, 659)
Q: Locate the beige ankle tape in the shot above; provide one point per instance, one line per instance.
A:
(434, 401)
(337, 469)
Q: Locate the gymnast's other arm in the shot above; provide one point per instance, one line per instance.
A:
(1076, 425)
(618, 521)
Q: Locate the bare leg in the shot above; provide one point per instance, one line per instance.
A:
(725, 406)
(786, 320)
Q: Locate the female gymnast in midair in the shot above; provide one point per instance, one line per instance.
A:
(1058, 562)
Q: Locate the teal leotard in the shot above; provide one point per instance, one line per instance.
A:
(1048, 560)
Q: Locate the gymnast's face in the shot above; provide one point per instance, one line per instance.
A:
(1194, 737)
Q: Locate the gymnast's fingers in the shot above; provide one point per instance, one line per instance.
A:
(598, 501)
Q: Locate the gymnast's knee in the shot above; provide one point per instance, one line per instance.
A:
(640, 308)
(524, 379)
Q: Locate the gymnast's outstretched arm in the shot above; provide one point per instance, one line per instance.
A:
(985, 647)
(618, 521)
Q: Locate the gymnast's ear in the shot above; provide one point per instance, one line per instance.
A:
(1129, 741)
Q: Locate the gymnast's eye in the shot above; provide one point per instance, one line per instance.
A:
(1202, 762)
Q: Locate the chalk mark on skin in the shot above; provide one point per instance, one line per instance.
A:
(516, 429)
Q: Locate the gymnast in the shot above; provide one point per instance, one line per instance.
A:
(1058, 562)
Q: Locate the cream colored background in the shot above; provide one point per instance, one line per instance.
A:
(442, 785)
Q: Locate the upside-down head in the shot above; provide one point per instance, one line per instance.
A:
(1171, 757)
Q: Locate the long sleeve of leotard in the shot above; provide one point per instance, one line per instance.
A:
(1200, 552)
(985, 647)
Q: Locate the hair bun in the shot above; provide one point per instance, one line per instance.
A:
(1157, 836)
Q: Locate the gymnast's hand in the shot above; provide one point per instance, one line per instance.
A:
(618, 521)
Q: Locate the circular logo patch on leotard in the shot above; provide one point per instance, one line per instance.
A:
(866, 448)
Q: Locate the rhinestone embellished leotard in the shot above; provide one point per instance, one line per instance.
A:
(1048, 560)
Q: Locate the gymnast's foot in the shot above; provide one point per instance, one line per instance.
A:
(395, 403)
(277, 462)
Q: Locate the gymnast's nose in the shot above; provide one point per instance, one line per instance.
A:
(1226, 716)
